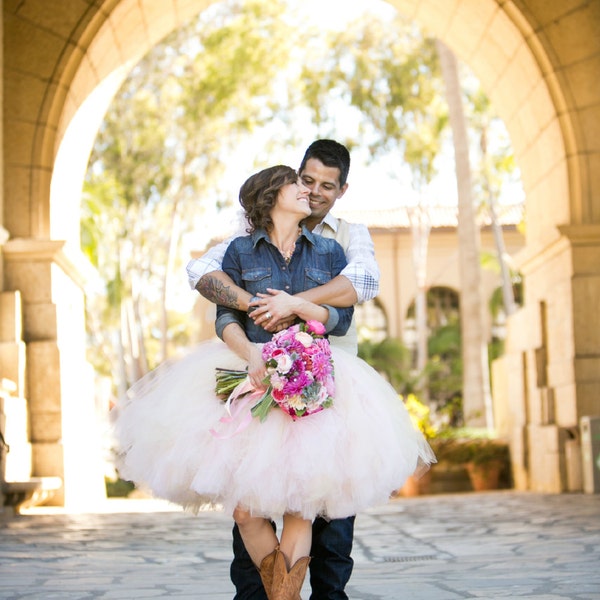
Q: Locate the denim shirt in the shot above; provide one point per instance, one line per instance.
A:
(255, 264)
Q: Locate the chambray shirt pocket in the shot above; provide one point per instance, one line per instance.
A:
(314, 277)
(257, 279)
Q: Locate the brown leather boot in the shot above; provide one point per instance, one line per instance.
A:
(287, 584)
(267, 565)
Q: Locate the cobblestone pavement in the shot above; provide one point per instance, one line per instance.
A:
(491, 545)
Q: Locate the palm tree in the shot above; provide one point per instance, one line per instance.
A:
(476, 387)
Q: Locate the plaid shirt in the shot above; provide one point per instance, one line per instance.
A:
(362, 270)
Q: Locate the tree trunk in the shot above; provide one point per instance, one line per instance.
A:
(420, 224)
(508, 297)
(476, 394)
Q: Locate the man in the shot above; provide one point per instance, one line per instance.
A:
(324, 170)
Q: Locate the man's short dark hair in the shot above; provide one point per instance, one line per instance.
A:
(331, 154)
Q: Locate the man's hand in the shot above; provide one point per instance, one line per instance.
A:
(275, 310)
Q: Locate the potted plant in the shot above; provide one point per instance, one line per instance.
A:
(487, 458)
(420, 416)
(483, 458)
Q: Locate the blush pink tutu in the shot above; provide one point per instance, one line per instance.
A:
(334, 463)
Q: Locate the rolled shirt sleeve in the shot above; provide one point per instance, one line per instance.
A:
(362, 270)
(212, 259)
(339, 319)
(226, 317)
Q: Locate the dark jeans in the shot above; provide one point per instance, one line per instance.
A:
(330, 566)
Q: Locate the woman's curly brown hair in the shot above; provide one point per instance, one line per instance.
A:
(259, 193)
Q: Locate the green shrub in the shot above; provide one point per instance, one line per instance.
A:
(118, 488)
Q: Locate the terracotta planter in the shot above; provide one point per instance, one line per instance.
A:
(484, 476)
(415, 486)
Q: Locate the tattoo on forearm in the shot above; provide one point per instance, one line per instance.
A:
(217, 292)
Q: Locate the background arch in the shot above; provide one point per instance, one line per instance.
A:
(538, 62)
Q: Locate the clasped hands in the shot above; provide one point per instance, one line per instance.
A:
(274, 311)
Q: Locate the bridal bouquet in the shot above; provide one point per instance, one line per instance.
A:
(299, 373)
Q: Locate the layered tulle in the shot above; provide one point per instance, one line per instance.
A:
(335, 463)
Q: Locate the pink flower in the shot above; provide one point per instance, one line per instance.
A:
(277, 381)
(330, 385)
(300, 371)
(296, 384)
(286, 336)
(315, 327)
(321, 365)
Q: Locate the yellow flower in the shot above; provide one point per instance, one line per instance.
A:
(419, 415)
(296, 402)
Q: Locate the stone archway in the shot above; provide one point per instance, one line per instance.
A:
(537, 61)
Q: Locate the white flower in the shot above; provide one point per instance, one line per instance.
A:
(284, 363)
(276, 381)
(304, 338)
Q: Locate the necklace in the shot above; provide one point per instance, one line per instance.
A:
(287, 254)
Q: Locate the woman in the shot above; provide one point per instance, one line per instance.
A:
(177, 441)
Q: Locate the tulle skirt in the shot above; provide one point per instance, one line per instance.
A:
(171, 441)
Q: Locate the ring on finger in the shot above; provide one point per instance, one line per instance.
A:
(268, 315)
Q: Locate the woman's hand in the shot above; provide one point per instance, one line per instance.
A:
(257, 370)
(237, 341)
(275, 310)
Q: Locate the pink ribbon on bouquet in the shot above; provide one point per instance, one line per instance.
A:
(239, 409)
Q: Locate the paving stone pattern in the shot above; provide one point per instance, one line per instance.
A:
(493, 545)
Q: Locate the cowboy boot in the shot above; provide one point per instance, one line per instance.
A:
(287, 584)
(267, 565)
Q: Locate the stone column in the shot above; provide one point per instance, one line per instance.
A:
(553, 360)
(64, 431)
